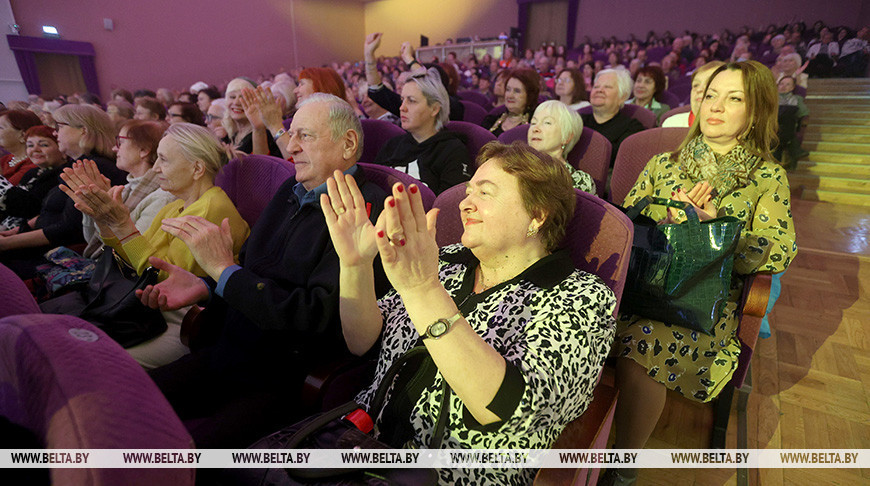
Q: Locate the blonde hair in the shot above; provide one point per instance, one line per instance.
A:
(198, 143)
(570, 122)
(228, 123)
(99, 131)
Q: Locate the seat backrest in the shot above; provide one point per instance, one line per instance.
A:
(476, 136)
(635, 152)
(592, 156)
(646, 117)
(800, 91)
(252, 181)
(75, 388)
(681, 90)
(16, 297)
(476, 97)
(474, 113)
(675, 111)
(671, 99)
(375, 134)
(385, 177)
(598, 236)
(520, 133)
(287, 122)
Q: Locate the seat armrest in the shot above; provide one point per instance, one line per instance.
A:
(756, 292)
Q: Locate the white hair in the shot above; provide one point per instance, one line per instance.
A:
(623, 80)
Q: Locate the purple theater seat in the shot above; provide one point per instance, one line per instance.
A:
(287, 122)
(591, 154)
(681, 90)
(635, 152)
(386, 177)
(448, 227)
(75, 388)
(16, 297)
(476, 136)
(476, 97)
(646, 117)
(251, 182)
(375, 134)
(474, 113)
(671, 99)
(800, 91)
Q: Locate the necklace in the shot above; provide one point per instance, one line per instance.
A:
(17, 160)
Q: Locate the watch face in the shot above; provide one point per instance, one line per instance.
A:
(437, 328)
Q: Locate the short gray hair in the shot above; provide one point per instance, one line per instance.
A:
(341, 117)
(198, 143)
(623, 80)
(570, 122)
(434, 92)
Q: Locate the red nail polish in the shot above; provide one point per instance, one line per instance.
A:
(402, 242)
(413, 189)
(401, 188)
(392, 203)
(673, 193)
(380, 234)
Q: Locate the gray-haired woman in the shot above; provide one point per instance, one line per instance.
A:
(433, 155)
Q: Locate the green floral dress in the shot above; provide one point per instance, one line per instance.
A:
(692, 363)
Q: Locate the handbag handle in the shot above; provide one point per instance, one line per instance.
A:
(634, 211)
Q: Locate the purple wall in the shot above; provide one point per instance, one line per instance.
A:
(164, 43)
(597, 18)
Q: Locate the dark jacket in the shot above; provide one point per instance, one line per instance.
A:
(442, 158)
(615, 130)
(25, 199)
(282, 312)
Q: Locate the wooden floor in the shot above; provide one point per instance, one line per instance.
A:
(811, 378)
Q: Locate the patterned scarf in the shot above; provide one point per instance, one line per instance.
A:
(724, 172)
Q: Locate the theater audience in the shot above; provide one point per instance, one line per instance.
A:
(214, 119)
(517, 208)
(649, 85)
(823, 55)
(205, 96)
(24, 201)
(136, 152)
(239, 126)
(699, 85)
(188, 158)
(521, 98)
(279, 307)
(610, 91)
(149, 109)
(723, 167)
(13, 126)
(854, 55)
(184, 112)
(428, 152)
(554, 130)
(571, 89)
(120, 111)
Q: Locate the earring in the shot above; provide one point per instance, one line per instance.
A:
(532, 232)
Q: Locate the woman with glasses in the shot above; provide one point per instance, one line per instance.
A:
(83, 132)
(428, 152)
(571, 89)
(188, 158)
(181, 112)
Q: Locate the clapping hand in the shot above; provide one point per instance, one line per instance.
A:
(406, 241)
(211, 245)
(347, 218)
(180, 289)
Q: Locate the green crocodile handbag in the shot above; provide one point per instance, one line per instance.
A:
(680, 273)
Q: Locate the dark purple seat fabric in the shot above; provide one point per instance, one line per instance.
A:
(375, 134)
(656, 54)
(385, 177)
(75, 388)
(520, 133)
(16, 298)
(475, 97)
(635, 152)
(474, 113)
(287, 122)
(591, 154)
(671, 99)
(646, 117)
(598, 236)
(674, 111)
(800, 91)
(681, 91)
(251, 182)
(476, 136)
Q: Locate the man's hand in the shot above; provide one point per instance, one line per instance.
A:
(210, 244)
(180, 289)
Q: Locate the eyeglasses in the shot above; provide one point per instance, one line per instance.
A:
(118, 139)
(210, 118)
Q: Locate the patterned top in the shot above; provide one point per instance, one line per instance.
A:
(552, 323)
(768, 240)
(581, 180)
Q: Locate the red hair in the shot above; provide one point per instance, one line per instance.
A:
(325, 80)
(40, 131)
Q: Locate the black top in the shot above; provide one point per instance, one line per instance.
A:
(615, 130)
(443, 159)
(247, 145)
(25, 199)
